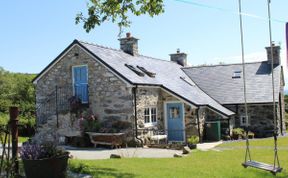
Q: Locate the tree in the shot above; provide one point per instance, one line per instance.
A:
(117, 11)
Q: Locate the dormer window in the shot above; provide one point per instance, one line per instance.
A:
(237, 74)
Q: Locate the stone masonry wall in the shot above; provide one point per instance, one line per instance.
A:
(260, 117)
(109, 97)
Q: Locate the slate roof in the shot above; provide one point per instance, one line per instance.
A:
(167, 75)
(218, 83)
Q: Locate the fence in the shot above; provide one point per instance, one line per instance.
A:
(53, 104)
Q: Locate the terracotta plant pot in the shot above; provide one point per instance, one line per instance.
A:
(55, 167)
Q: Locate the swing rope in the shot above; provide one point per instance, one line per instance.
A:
(248, 161)
(273, 89)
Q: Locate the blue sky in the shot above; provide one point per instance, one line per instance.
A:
(34, 32)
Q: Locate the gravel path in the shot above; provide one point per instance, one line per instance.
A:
(98, 153)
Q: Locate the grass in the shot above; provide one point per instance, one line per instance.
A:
(20, 139)
(225, 163)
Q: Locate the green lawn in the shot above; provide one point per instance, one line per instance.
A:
(225, 163)
(20, 139)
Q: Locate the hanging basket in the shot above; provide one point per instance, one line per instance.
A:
(47, 168)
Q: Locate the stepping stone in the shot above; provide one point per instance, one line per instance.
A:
(186, 150)
(176, 155)
(115, 156)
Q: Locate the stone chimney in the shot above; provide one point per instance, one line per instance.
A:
(129, 44)
(276, 54)
(179, 58)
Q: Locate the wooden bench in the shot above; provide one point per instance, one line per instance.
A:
(115, 140)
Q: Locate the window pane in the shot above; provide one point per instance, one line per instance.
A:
(174, 112)
(146, 119)
(153, 115)
(146, 115)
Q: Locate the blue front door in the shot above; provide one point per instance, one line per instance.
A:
(175, 125)
(81, 83)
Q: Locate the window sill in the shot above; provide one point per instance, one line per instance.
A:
(150, 124)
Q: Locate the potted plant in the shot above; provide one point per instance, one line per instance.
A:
(192, 142)
(44, 160)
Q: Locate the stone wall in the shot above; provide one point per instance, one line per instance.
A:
(260, 117)
(149, 97)
(109, 97)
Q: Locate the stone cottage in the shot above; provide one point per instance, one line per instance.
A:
(151, 94)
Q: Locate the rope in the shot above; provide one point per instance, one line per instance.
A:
(276, 159)
(244, 80)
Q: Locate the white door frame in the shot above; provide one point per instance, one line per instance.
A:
(166, 119)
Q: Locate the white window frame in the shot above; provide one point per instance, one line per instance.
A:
(150, 123)
(241, 121)
(237, 74)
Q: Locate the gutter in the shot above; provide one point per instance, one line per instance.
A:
(134, 89)
(198, 125)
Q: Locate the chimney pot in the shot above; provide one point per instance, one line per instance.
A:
(179, 58)
(129, 44)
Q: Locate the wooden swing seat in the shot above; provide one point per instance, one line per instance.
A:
(263, 166)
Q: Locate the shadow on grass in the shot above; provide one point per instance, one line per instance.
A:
(264, 174)
(108, 172)
(100, 172)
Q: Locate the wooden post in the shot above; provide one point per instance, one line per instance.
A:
(14, 112)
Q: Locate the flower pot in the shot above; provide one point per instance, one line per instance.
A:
(55, 167)
(192, 146)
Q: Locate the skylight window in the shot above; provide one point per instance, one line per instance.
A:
(135, 70)
(150, 74)
(185, 80)
(237, 74)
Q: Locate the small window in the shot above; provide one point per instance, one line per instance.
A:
(150, 116)
(244, 121)
(150, 74)
(147, 115)
(174, 112)
(237, 74)
(135, 70)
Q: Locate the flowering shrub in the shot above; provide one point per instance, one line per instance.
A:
(32, 151)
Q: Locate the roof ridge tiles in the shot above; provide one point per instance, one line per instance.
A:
(119, 50)
(216, 65)
(101, 46)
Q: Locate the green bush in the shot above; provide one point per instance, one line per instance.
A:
(238, 133)
(3, 119)
(193, 140)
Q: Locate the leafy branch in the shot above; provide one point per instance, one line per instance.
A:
(117, 11)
